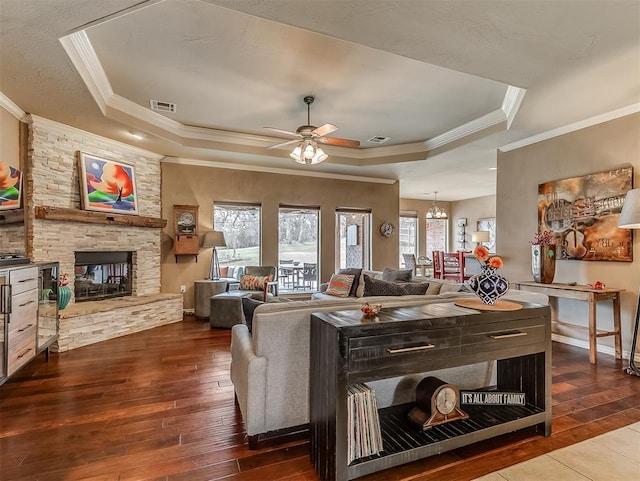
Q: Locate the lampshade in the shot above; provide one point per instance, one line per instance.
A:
(214, 238)
(307, 152)
(630, 215)
(480, 236)
(436, 212)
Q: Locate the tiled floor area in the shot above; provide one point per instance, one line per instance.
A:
(614, 456)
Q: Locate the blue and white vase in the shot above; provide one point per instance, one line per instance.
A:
(488, 285)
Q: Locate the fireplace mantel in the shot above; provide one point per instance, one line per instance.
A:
(91, 217)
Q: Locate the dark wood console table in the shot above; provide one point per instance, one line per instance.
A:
(347, 349)
(592, 295)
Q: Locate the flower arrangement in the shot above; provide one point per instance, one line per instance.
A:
(482, 254)
(545, 238)
(63, 280)
(370, 310)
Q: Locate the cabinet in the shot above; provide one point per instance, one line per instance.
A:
(349, 349)
(28, 324)
(186, 239)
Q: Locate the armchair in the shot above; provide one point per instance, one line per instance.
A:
(269, 289)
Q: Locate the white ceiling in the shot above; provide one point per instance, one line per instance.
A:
(449, 82)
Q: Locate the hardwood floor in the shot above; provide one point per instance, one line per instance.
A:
(159, 405)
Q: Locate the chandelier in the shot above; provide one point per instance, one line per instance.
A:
(307, 152)
(436, 212)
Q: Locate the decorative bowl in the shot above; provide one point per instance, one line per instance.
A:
(370, 310)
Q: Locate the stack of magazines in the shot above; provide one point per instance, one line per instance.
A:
(363, 425)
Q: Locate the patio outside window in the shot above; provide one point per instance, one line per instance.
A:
(298, 248)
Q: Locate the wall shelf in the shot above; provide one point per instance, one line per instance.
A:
(90, 217)
(15, 216)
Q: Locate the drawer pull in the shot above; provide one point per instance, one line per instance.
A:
(24, 354)
(507, 335)
(411, 349)
(25, 328)
(30, 279)
(27, 303)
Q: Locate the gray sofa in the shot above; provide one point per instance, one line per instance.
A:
(270, 364)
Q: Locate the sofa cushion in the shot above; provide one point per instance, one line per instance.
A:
(224, 271)
(340, 285)
(248, 306)
(397, 275)
(357, 274)
(375, 287)
(253, 283)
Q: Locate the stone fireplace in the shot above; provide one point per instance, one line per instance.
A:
(112, 296)
(102, 275)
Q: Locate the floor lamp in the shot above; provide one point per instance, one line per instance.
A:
(214, 239)
(630, 219)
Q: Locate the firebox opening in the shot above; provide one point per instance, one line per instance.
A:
(102, 275)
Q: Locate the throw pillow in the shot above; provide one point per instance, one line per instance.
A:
(356, 273)
(340, 285)
(224, 271)
(253, 283)
(248, 306)
(375, 287)
(397, 276)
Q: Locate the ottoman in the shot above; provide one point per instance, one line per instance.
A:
(226, 309)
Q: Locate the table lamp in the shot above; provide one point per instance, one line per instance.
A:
(214, 239)
(480, 236)
(630, 219)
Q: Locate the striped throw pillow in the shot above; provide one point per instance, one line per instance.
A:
(339, 285)
(253, 283)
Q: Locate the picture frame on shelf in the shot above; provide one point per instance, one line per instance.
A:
(107, 185)
(10, 187)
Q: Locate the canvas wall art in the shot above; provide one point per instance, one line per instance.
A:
(107, 185)
(583, 212)
(10, 187)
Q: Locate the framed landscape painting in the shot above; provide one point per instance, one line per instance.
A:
(10, 187)
(107, 185)
(582, 212)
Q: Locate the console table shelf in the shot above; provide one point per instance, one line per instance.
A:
(347, 349)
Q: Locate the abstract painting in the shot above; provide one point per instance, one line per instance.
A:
(10, 187)
(107, 185)
(583, 213)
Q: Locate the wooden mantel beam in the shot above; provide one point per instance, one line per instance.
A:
(91, 217)
(15, 216)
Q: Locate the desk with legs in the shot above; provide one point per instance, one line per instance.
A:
(592, 295)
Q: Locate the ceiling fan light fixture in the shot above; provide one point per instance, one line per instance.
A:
(307, 152)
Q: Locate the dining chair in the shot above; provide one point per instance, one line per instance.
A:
(309, 274)
(437, 264)
(453, 266)
(410, 262)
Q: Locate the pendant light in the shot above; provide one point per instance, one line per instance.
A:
(436, 212)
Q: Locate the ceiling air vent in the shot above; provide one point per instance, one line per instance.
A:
(378, 139)
(160, 106)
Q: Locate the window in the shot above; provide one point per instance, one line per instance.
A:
(353, 238)
(241, 226)
(298, 248)
(408, 234)
(436, 236)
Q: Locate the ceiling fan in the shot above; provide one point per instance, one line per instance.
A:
(308, 137)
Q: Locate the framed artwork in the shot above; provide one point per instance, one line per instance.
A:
(107, 185)
(583, 213)
(488, 224)
(10, 187)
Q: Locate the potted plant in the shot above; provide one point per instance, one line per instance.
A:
(543, 257)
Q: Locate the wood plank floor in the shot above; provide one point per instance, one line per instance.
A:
(159, 405)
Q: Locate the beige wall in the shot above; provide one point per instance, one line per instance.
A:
(421, 207)
(197, 185)
(594, 149)
(472, 210)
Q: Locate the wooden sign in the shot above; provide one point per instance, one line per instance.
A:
(493, 398)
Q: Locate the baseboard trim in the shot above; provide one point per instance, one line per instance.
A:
(585, 345)
(279, 436)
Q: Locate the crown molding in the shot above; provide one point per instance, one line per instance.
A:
(481, 123)
(7, 104)
(511, 103)
(271, 170)
(63, 129)
(582, 124)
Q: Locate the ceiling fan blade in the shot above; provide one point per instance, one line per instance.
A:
(282, 131)
(324, 130)
(282, 144)
(340, 142)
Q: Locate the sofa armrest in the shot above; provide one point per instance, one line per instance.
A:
(249, 378)
(323, 287)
